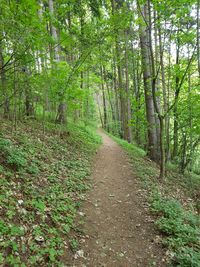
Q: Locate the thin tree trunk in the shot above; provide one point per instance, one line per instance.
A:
(128, 130)
(116, 5)
(6, 101)
(100, 114)
(117, 115)
(198, 36)
(157, 67)
(105, 119)
(136, 89)
(54, 32)
(109, 96)
(175, 109)
(120, 89)
(168, 152)
(61, 111)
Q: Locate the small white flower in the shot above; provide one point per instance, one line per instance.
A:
(39, 238)
(20, 201)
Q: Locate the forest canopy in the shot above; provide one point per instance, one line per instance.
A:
(132, 65)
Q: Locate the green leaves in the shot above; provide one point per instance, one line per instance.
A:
(39, 205)
(182, 230)
(38, 208)
(13, 155)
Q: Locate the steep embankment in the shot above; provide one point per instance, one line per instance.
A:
(43, 177)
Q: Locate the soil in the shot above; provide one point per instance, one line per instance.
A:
(118, 229)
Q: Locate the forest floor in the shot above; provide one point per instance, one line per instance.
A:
(118, 227)
(53, 214)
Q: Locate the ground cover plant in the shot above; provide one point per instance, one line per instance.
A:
(176, 213)
(43, 179)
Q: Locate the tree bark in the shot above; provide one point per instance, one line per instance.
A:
(6, 101)
(116, 93)
(198, 36)
(54, 31)
(175, 109)
(116, 5)
(146, 68)
(105, 118)
(61, 111)
(127, 130)
(155, 99)
(61, 118)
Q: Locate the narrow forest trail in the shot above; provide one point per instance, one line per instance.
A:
(118, 228)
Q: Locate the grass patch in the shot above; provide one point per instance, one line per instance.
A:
(131, 148)
(43, 179)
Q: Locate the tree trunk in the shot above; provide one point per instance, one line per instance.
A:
(109, 97)
(136, 95)
(175, 110)
(146, 68)
(155, 99)
(117, 115)
(120, 89)
(168, 151)
(54, 31)
(6, 102)
(116, 5)
(198, 36)
(162, 147)
(61, 118)
(128, 130)
(29, 108)
(61, 112)
(105, 119)
(165, 104)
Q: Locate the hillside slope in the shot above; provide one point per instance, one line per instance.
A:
(43, 179)
(174, 202)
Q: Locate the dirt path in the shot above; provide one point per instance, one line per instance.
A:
(118, 228)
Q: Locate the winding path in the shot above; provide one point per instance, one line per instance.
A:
(118, 229)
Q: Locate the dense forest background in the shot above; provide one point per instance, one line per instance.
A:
(134, 65)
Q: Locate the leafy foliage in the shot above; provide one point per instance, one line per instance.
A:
(179, 226)
(182, 229)
(39, 201)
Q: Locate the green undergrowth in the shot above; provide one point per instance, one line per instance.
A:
(43, 178)
(181, 230)
(131, 148)
(190, 180)
(177, 221)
